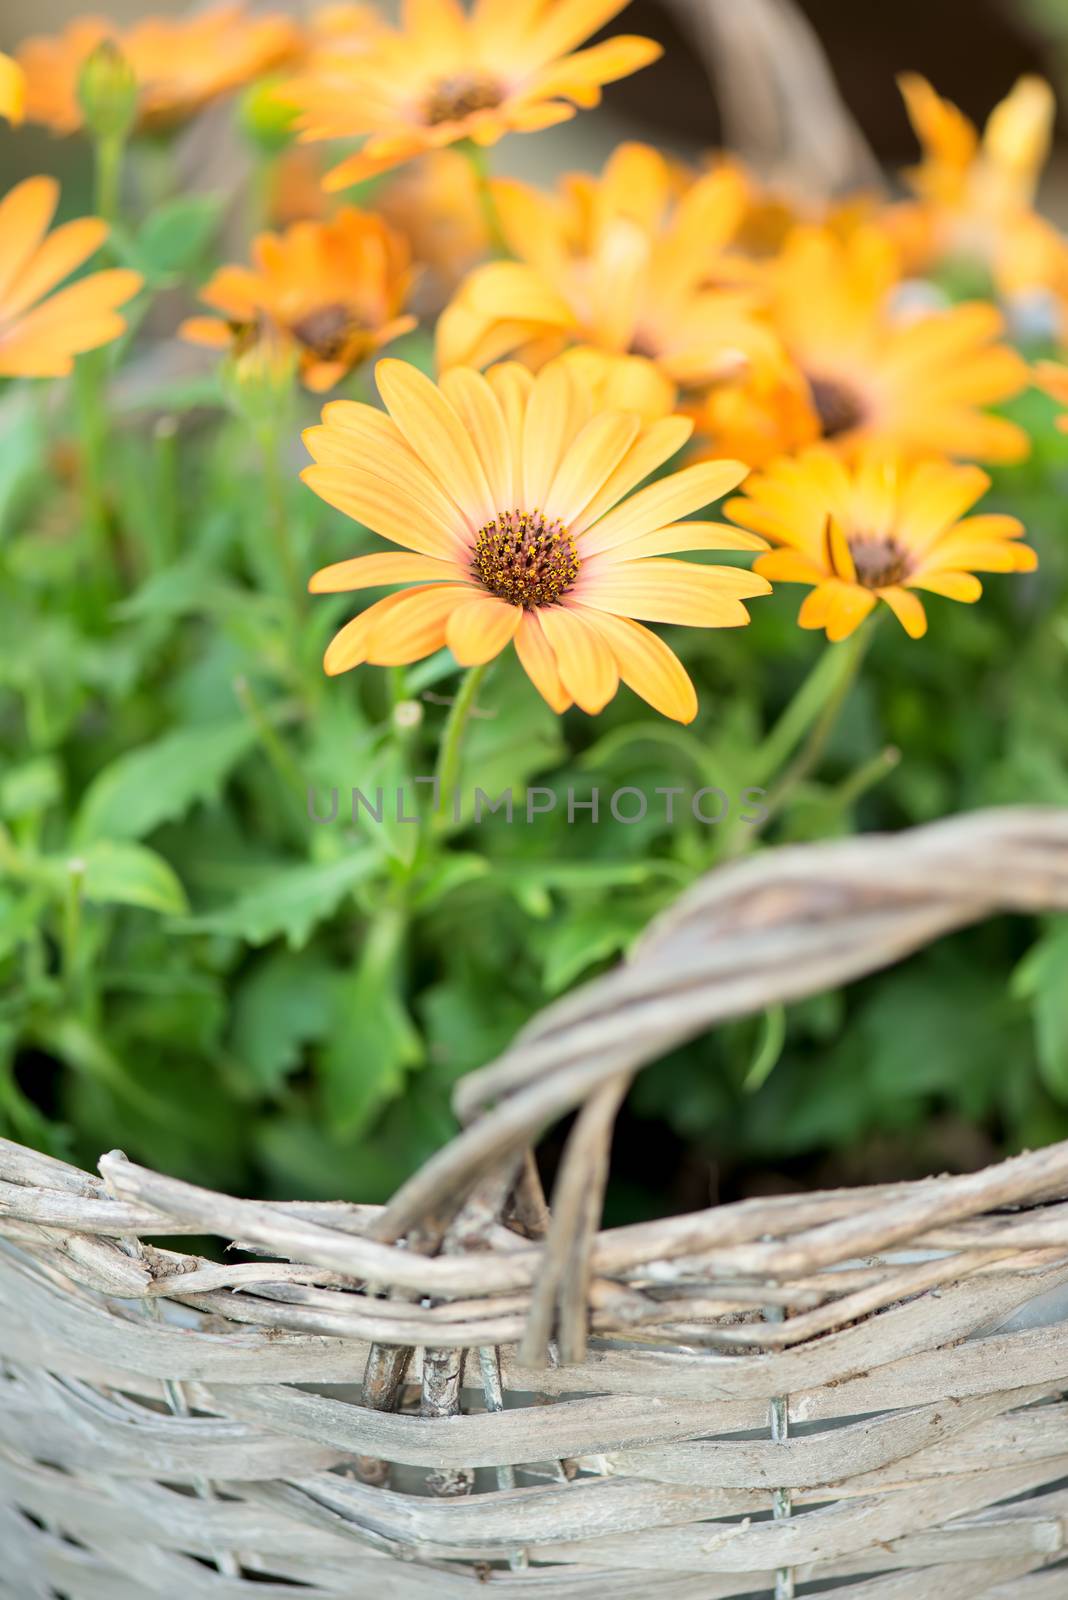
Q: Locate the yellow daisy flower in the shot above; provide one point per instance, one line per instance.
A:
(975, 196)
(333, 291)
(854, 372)
(881, 528)
(41, 332)
(179, 63)
(517, 506)
(617, 263)
(448, 74)
(12, 89)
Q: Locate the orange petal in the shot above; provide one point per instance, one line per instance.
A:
(479, 410)
(478, 631)
(539, 663)
(367, 572)
(435, 433)
(646, 665)
(847, 606)
(415, 627)
(59, 255)
(587, 667)
(386, 509)
(672, 591)
(907, 608)
(25, 212)
(661, 502)
(211, 332)
(654, 445)
(589, 462)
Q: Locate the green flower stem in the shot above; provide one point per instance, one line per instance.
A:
(73, 974)
(452, 740)
(816, 708)
(292, 585)
(108, 151)
(478, 160)
(90, 399)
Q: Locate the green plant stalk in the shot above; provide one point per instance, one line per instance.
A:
(478, 160)
(72, 936)
(452, 739)
(107, 178)
(90, 399)
(290, 582)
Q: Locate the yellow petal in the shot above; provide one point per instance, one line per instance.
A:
(539, 663)
(415, 627)
(586, 666)
(478, 631)
(847, 606)
(12, 90)
(655, 445)
(953, 585)
(435, 433)
(386, 509)
(589, 462)
(367, 572)
(693, 535)
(646, 665)
(671, 591)
(907, 608)
(25, 212)
(662, 502)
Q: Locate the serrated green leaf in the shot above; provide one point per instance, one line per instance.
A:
(160, 782)
(173, 237)
(290, 902)
(373, 1042)
(284, 1004)
(1042, 979)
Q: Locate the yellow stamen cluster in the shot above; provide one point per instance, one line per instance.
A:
(525, 560)
(879, 559)
(453, 99)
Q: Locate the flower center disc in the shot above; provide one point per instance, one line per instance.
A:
(453, 99)
(525, 560)
(838, 407)
(327, 331)
(879, 561)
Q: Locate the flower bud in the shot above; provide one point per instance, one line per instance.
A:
(107, 92)
(265, 118)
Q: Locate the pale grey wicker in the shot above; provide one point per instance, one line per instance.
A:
(857, 1392)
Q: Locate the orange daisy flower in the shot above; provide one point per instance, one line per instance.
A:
(513, 500)
(617, 264)
(179, 63)
(507, 66)
(975, 196)
(12, 89)
(332, 291)
(853, 372)
(881, 528)
(41, 332)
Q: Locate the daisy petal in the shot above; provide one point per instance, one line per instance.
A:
(433, 429)
(588, 463)
(539, 663)
(847, 606)
(665, 501)
(415, 627)
(907, 608)
(953, 585)
(478, 631)
(646, 665)
(367, 572)
(671, 591)
(587, 667)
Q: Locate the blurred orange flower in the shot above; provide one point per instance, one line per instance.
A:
(879, 529)
(615, 263)
(1052, 379)
(975, 196)
(513, 500)
(852, 371)
(12, 89)
(179, 63)
(448, 74)
(435, 203)
(333, 291)
(41, 332)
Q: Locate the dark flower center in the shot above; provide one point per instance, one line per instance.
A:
(838, 407)
(524, 559)
(879, 560)
(453, 99)
(327, 331)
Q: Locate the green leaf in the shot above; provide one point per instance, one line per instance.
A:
(290, 902)
(1042, 978)
(131, 875)
(373, 1042)
(30, 788)
(173, 237)
(161, 781)
(284, 1004)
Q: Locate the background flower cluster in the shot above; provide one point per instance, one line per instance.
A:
(819, 440)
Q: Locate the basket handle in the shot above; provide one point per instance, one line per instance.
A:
(789, 923)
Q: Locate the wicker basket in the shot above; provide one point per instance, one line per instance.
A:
(463, 1394)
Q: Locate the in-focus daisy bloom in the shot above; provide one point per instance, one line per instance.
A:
(333, 290)
(882, 528)
(975, 195)
(41, 332)
(621, 263)
(179, 63)
(505, 66)
(12, 89)
(517, 507)
(858, 373)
